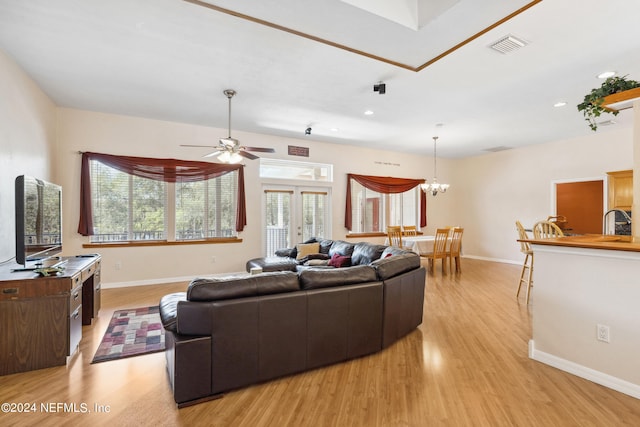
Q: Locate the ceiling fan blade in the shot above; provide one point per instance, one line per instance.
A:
(189, 145)
(248, 155)
(213, 154)
(258, 149)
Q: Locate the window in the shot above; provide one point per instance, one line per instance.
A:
(206, 209)
(126, 207)
(374, 202)
(142, 199)
(300, 171)
(372, 211)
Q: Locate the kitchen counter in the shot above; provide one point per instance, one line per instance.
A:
(585, 308)
(592, 241)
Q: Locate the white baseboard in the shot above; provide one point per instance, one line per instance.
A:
(597, 377)
(482, 258)
(146, 282)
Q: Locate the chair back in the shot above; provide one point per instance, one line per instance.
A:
(522, 235)
(456, 240)
(546, 230)
(394, 233)
(410, 230)
(440, 242)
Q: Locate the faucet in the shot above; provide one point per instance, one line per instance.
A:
(604, 219)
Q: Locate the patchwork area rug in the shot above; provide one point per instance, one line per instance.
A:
(131, 332)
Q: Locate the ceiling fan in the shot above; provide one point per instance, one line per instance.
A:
(229, 149)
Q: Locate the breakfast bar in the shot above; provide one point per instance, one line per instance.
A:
(586, 316)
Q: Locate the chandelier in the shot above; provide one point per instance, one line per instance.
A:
(435, 187)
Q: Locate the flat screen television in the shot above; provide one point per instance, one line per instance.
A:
(38, 220)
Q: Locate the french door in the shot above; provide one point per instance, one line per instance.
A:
(294, 214)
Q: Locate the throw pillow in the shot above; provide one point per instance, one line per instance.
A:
(338, 261)
(305, 249)
(316, 262)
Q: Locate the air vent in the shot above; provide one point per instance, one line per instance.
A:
(508, 44)
(496, 149)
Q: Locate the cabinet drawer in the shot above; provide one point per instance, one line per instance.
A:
(87, 272)
(75, 299)
(75, 329)
(76, 280)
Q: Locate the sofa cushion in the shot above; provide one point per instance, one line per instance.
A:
(287, 252)
(304, 249)
(365, 253)
(341, 247)
(274, 263)
(169, 310)
(313, 278)
(221, 288)
(325, 245)
(339, 261)
(396, 264)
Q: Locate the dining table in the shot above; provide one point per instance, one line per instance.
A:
(422, 244)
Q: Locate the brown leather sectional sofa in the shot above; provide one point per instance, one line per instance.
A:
(225, 333)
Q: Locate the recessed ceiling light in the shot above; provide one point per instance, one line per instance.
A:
(560, 104)
(606, 74)
(368, 113)
(334, 129)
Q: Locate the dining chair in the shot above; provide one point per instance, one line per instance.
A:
(439, 250)
(546, 230)
(394, 233)
(454, 249)
(409, 230)
(527, 266)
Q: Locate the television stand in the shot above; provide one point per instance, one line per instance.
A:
(43, 316)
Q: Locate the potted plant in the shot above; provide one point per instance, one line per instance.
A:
(593, 104)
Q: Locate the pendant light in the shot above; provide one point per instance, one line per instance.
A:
(435, 187)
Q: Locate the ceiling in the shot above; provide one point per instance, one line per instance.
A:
(308, 63)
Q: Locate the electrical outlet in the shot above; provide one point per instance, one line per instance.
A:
(213, 260)
(118, 265)
(602, 332)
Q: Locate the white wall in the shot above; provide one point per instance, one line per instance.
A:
(113, 134)
(576, 290)
(27, 142)
(495, 190)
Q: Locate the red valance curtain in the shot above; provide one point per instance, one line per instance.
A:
(386, 185)
(167, 170)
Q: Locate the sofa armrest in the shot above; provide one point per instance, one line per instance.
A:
(395, 265)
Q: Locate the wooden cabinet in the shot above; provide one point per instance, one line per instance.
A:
(41, 318)
(620, 190)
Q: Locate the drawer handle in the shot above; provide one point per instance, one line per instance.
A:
(10, 291)
(76, 295)
(76, 314)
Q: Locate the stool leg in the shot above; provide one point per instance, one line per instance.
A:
(525, 266)
(529, 279)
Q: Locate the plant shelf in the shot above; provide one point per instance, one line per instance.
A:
(621, 100)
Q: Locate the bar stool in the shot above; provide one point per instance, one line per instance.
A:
(527, 266)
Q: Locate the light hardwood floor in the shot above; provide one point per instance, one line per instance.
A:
(466, 365)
